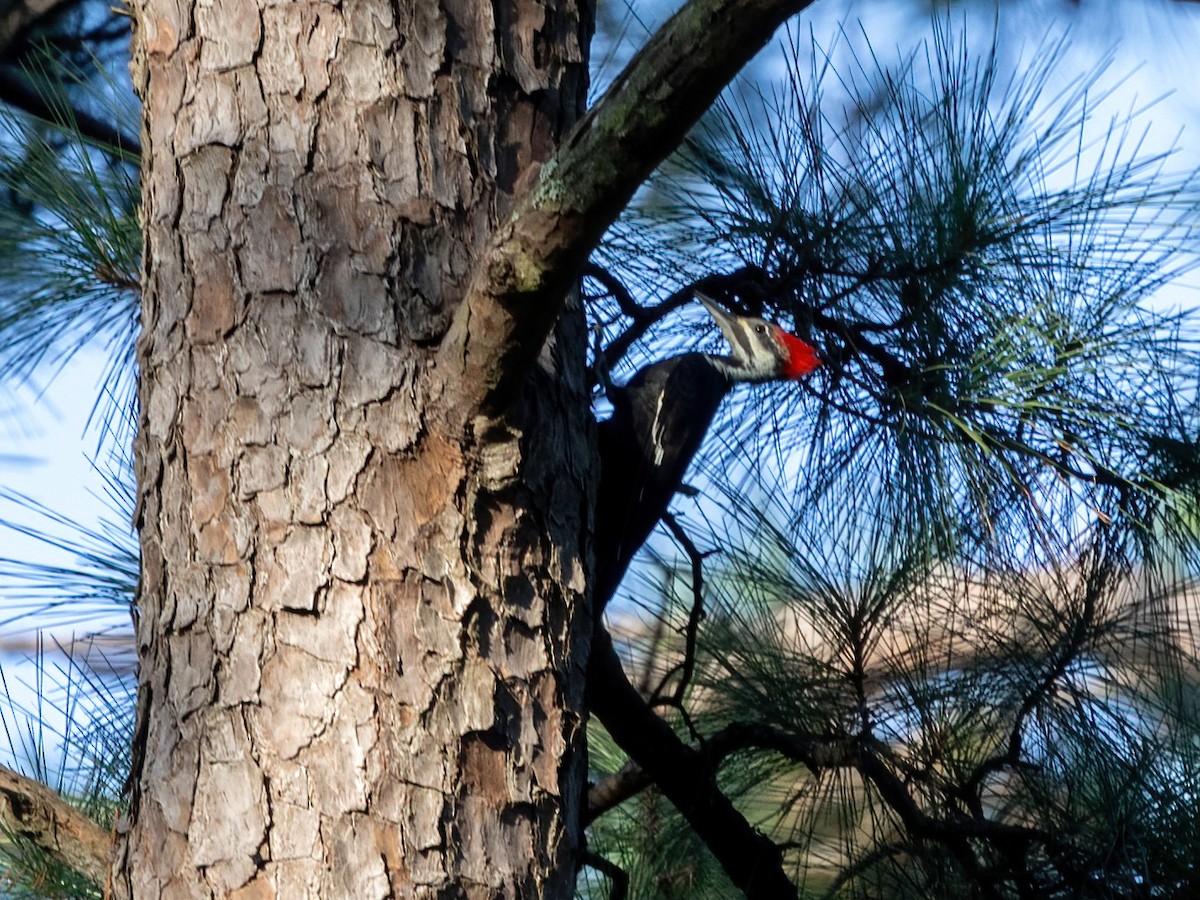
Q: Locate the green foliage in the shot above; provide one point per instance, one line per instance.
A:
(70, 244)
(69, 259)
(984, 324)
(954, 577)
(646, 838)
(953, 585)
(73, 731)
(28, 874)
(73, 735)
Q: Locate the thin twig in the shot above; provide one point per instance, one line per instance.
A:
(617, 290)
(648, 316)
(687, 666)
(610, 870)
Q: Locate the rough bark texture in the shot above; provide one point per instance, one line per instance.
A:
(361, 629)
(675, 77)
(30, 810)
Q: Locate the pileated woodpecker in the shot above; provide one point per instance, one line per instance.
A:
(659, 419)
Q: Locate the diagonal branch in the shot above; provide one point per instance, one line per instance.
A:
(16, 91)
(817, 753)
(31, 810)
(753, 863)
(522, 280)
(610, 870)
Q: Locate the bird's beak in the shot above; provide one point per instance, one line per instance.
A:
(720, 316)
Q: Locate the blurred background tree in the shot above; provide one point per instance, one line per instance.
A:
(929, 617)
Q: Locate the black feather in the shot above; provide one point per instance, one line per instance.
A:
(674, 400)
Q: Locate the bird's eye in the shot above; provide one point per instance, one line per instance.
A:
(760, 328)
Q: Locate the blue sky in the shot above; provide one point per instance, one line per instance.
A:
(1152, 47)
(46, 448)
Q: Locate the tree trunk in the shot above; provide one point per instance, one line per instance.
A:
(361, 625)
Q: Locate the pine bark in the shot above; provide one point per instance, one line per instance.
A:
(361, 626)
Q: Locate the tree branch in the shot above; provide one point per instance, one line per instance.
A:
(686, 668)
(613, 790)
(524, 275)
(753, 863)
(17, 92)
(716, 284)
(617, 289)
(33, 811)
(19, 18)
(610, 870)
(816, 752)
